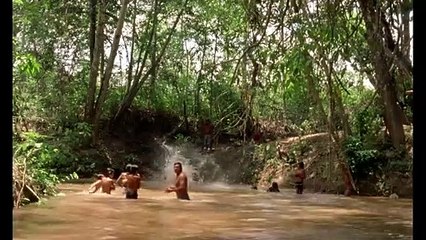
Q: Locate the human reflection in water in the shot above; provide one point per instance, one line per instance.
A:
(181, 185)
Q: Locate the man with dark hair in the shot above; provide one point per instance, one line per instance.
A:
(181, 185)
(123, 175)
(106, 183)
(110, 172)
(131, 181)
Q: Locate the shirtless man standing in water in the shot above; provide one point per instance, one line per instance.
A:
(106, 183)
(131, 182)
(181, 185)
(123, 175)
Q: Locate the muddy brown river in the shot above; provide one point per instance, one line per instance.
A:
(216, 211)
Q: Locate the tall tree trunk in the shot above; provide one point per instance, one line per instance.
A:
(132, 49)
(335, 139)
(314, 94)
(108, 70)
(339, 113)
(92, 30)
(405, 17)
(343, 115)
(197, 104)
(185, 88)
(185, 114)
(153, 52)
(94, 64)
(385, 81)
(139, 79)
(211, 77)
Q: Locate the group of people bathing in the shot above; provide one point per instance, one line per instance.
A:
(130, 180)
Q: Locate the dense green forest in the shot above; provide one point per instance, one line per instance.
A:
(86, 69)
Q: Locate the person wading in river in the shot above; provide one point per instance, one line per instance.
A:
(181, 185)
(123, 175)
(106, 183)
(274, 187)
(131, 181)
(300, 176)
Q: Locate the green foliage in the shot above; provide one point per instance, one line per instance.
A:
(180, 138)
(376, 159)
(78, 136)
(288, 91)
(365, 113)
(131, 158)
(27, 64)
(206, 72)
(363, 161)
(300, 149)
(113, 100)
(255, 161)
(226, 106)
(35, 154)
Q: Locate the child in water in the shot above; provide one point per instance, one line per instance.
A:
(300, 176)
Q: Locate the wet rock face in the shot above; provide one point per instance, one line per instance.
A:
(115, 152)
(139, 123)
(400, 184)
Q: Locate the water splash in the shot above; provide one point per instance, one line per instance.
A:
(198, 167)
(173, 155)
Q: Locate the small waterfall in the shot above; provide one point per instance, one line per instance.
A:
(197, 166)
(172, 155)
(202, 169)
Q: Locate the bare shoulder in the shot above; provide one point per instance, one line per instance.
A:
(182, 176)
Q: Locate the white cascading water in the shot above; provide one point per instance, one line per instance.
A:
(173, 155)
(197, 166)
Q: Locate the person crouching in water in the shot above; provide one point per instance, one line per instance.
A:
(106, 183)
(300, 176)
(273, 188)
(131, 182)
(181, 185)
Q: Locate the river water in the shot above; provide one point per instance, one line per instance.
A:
(216, 211)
